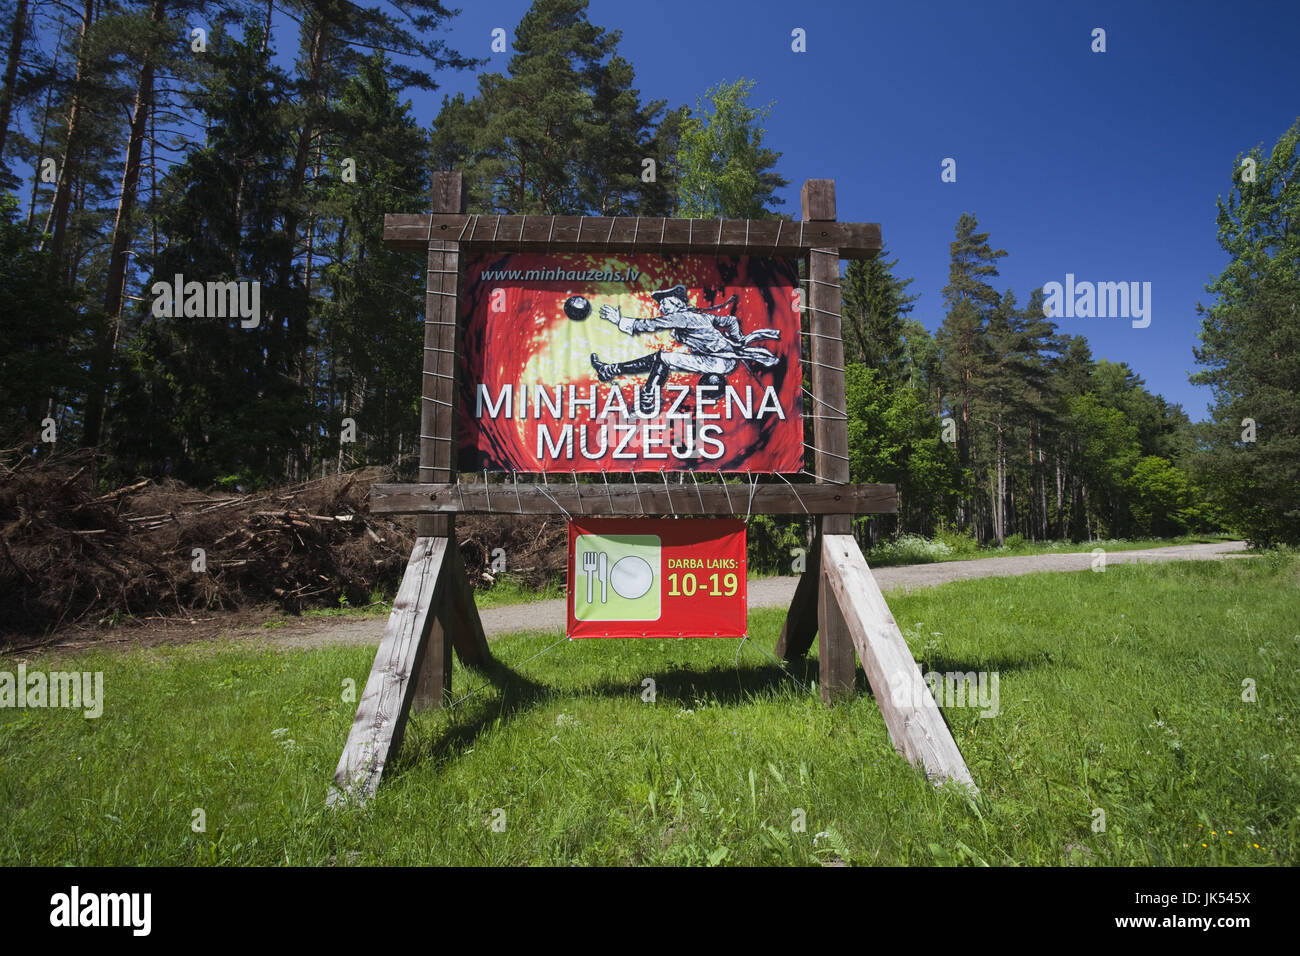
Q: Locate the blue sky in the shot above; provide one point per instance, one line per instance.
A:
(1104, 165)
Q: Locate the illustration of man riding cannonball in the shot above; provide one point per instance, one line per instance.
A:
(717, 344)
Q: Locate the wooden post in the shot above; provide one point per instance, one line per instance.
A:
(836, 668)
(437, 405)
(438, 388)
(830, 426)
(830, 432)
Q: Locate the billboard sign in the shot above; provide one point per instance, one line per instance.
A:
(593, 362)
(646, 577)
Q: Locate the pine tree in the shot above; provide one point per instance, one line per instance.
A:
(216, 399)
(1250, 350)
(563, 131)
(876, 305)
(522, 138)
(1009, 383)
(38, 372)
(9, 83)
(150, 38)
(969, 299)
(617, 136)
(372, 304)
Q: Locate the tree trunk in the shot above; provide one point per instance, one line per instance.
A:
(11, 71)
(1000, 516)
(57, 221)
(1042, 493)
(266, 36)
(1060, 496)
(45, 127)
(116, 288)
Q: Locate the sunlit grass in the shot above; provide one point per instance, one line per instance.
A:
(1119, 691)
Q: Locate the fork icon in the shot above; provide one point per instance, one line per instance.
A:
(590, 562)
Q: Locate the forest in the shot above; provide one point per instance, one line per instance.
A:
(268, 145)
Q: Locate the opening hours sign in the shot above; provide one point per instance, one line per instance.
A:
(656, 578)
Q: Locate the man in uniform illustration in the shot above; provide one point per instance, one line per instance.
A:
(716, 344)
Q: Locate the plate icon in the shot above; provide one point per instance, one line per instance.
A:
(631, 577)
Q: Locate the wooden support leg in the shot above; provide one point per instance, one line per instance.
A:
(835, 664)
(381, 715)
(433, 683)
(801, 620)
(915, 722)
(456, 624)
(461, 619)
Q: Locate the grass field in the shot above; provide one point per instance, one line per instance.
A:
(1120, 692)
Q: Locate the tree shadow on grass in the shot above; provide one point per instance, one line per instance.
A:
(687, 686)
(517, 694)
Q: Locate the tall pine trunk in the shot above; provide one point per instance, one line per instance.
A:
(57, 221)
(1001, 513)
(11, 71)
(115, 292)
(45, 125)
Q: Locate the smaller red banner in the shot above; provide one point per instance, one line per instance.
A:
(656, 577)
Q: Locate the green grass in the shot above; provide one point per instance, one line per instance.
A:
(508, 589)
(1119, 691)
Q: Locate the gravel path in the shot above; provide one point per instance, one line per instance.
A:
(763, 592)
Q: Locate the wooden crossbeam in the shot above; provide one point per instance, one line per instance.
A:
(915, 723)
(649, 497)
(628, 234)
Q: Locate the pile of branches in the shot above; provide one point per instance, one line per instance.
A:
(71, 555)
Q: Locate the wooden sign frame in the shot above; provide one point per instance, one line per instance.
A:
(836, 600)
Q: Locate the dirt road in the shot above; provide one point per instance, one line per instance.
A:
(763, 592)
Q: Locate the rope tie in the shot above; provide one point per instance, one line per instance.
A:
(698, 493)
(546, 491)
(795, 490)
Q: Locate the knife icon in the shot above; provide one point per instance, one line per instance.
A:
(603, 574)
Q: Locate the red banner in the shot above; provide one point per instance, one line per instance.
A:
(656, 577)
(594, 362)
